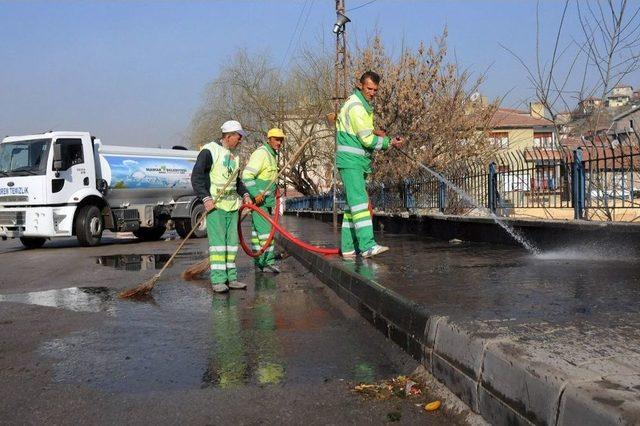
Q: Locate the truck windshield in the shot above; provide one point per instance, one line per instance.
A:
(23, 158)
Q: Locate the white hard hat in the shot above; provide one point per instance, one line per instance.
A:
(232, 126)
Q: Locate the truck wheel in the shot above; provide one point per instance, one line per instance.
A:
(32, 242)
(89, 226)
(184, 226)
(150, 234)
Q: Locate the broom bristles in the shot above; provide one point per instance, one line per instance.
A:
(195, 270)
(140, 291)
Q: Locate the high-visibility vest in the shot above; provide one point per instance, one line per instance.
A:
(259, 173)
(356, 141)
(224, 165)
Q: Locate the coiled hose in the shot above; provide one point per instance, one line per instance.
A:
(275, 226)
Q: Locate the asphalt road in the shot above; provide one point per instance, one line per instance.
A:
(284, 351)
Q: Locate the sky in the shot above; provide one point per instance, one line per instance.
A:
(135, 72)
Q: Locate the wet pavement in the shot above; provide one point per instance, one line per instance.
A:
(144, 262)
(478, 281)
(286, 350)
(570, 315)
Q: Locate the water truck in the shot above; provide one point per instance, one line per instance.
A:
(62, 184)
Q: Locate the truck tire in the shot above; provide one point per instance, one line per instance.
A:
(89, 226)
(184, 226)
(150, 234)
(32, 242)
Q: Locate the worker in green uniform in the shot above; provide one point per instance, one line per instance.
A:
(215, 164)
(357, 140)
(258, 177)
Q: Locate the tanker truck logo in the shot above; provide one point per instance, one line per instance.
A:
(149, 172)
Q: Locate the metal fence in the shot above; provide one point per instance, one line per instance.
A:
(597, 178)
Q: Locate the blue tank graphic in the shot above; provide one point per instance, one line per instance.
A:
(149, 172)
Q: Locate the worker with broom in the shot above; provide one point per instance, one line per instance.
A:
(214, 166)
(258, 176)
(357, 140)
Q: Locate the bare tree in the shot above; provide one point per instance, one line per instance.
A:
(611, 32)
(427, 100)
(250, 89)
(423, 97)
(609, 49)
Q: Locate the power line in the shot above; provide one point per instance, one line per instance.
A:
(304, 24)
(362, 5)
(293, 35)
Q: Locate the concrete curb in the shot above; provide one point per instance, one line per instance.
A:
(487, 373)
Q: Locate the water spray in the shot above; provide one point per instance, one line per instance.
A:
(464, 195)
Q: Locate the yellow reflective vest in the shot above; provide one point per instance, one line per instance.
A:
(224, 165)
(356, 141)
(260, 171)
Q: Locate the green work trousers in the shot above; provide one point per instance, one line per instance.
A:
(259, 234)
(357, 227)
(222, 231)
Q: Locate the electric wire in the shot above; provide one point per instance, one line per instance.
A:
(362, 5)
(293, 35)
(304, 24)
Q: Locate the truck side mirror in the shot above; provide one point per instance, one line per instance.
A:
(57, 157)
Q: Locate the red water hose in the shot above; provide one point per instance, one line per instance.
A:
(276, 226)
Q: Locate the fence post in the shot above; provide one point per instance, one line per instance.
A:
(442, 190)
(577, 184)
(492, 188)
(405, 192)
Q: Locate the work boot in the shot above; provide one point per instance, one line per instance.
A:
(220, 288)
(348, 255)
(272, 269)
(237, 285)
(375, 250)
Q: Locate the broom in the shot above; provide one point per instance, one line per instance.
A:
(194, 271)
(143, 289)
(201, 267)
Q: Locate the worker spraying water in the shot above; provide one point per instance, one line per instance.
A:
(357, 141)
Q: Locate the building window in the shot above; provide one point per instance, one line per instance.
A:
(499, 139)
(543, 139)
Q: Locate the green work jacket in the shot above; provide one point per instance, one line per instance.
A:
(259, 173)
(356, 141)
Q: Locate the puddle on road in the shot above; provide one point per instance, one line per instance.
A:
(79, 299)
(145, 262)
(189, 338)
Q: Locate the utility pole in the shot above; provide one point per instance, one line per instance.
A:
(284, 151)
(340, 89)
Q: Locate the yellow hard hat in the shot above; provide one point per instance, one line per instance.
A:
(275, 133)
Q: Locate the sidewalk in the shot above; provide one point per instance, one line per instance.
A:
(521, 339)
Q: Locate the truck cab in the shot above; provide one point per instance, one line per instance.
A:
(61, 184)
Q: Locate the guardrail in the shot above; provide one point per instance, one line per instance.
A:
(594, 179)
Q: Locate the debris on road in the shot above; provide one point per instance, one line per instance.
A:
(399, 387)
(432, 406)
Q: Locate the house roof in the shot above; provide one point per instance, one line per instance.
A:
(508, 119)
(597, 155)
(596, 121)
(631, 109)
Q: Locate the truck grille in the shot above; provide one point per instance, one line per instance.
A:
(13, 218)
(14, 198)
